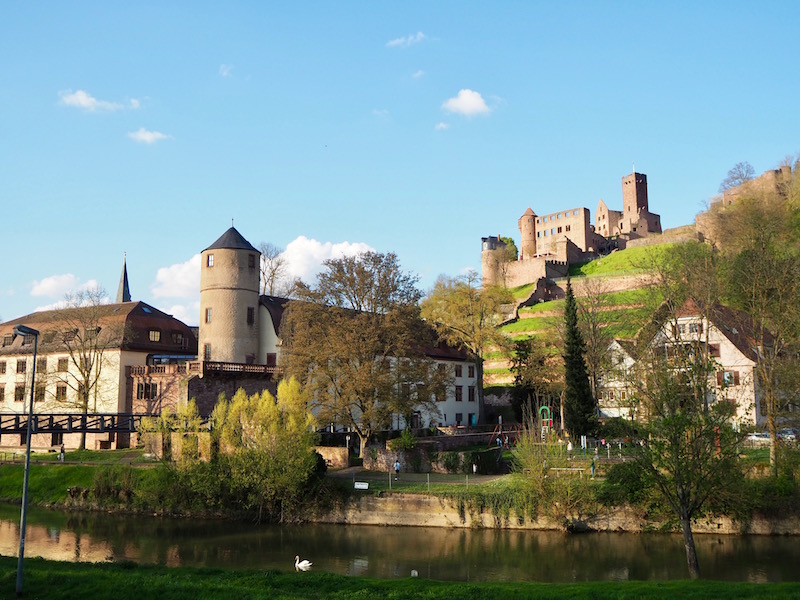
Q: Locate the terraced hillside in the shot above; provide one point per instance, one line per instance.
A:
(619, 284)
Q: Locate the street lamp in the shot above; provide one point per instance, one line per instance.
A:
(25, 331)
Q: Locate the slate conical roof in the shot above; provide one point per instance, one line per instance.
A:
(231, 240)
(123, 292)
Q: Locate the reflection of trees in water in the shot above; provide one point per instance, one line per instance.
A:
(457, 554)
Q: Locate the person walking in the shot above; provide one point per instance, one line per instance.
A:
(396, 469)
(61, 454)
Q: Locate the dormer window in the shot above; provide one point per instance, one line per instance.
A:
(155, 335)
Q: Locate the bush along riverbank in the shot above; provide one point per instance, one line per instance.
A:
(567, 502)
(127, 581)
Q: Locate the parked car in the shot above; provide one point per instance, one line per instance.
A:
(789, 434)
(758, 437)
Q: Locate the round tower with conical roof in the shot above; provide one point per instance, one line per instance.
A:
(229, 277)
(527, 232)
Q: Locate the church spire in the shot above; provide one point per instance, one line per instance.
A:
(124, 292)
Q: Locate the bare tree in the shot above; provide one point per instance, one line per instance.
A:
(594, 318)
(87, 332)
(273, 271)
(740, 173)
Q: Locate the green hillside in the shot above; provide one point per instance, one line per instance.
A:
(622, 312)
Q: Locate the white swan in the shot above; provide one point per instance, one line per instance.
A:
(301, 565)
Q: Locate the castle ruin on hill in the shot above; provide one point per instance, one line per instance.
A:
(550, 243)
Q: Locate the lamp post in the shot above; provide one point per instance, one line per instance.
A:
(24, 331)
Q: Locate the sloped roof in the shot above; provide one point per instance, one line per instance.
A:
(130, 322)
(232, 240)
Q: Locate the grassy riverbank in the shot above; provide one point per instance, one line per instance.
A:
(56, 581)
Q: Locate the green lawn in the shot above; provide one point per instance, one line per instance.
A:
(623, 262)
(126, 581)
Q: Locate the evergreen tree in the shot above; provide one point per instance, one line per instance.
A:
(579, 408)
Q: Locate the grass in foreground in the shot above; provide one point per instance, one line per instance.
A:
(127, 581)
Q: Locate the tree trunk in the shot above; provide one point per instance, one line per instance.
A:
(691, 552)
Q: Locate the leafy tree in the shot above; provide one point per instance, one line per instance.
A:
(580, 410)
(534, 382)
(467, 316)
(689, 451)
(512, 252)
(357, 342)
(740, 173)
(759, 239)
(266, 447)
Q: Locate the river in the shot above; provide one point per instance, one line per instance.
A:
(387, 552)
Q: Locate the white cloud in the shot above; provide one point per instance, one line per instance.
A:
(59, 285)
(55, 285)
(226, 70)
(406, 41)
(418, 74)
(381, 113)
(84, 100)
(441, 126)
(304, 256)
(467, 103)
(147, 137)
(188, 313)
(181, 280)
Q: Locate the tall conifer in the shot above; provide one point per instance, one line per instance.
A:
(579, 409)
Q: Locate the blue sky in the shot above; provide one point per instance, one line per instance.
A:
(329, 127)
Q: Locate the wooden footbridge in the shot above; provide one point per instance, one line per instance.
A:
(75, 423)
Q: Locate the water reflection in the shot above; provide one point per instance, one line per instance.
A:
(448, 554)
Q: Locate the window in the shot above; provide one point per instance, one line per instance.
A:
(22, 365)
(70, 335)
(2, 367)
(19, 393)
(251, 315)
(471, 371)
(727, 378)
(8, 340)
(2, 392)
(38, 393)
(567, 227)
(210, 260)
(146, 391)
(575, 213)
(695, 328)
(251, 261)
(206, 351)
(459, 418)
(61, 392)
(41, 364)
(63, 365)
(538, 234)
(90, 333)
(177, 338)
(208, 315)
(27, 340)
(459, 393)
(459, 371)
(714, 350)
(471, 393)
(155, 335)
(559, 230)
(48, 337)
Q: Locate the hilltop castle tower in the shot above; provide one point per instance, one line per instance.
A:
(527, 232)
(634, 194)
(229, 278)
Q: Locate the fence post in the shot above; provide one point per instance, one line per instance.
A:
(467, 476)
